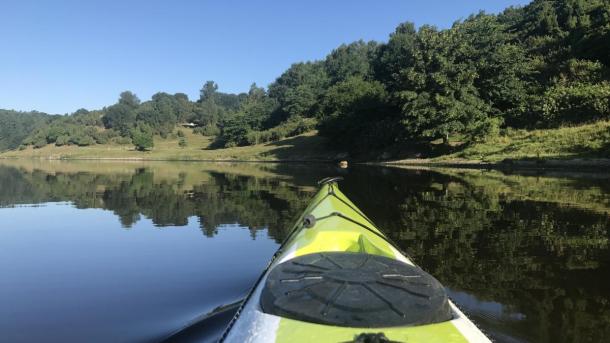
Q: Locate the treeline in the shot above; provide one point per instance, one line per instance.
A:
(15, 127)
(540, 66)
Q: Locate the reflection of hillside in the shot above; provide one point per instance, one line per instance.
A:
(537, 245)
(589, 191)
(189, 173)
(256, 196)
(534, 248)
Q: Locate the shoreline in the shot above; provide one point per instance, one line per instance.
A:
(594, 164)
(512, 164)
(144, 159)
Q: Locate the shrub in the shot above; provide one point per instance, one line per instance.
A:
(62, 140)
(253, 137)
(38, 141)
(486, 130)
(294, 126)
(576, 103)
(82, 140)
(122, 140)
(208, 130)
(101, 137)
(142, 137)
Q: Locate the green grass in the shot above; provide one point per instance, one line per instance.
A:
(584, 141)
(567, 143)
(308, 146)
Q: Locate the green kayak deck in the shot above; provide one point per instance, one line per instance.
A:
(333, 224)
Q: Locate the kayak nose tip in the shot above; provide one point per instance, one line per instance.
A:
(329, 180)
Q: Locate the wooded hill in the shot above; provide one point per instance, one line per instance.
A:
(544, 65)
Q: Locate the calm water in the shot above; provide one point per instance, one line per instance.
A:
(93, 251)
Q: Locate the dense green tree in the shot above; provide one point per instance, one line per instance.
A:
(350, 60)
(15, 127)
(393, 58)
(257, 107)
(129, 99)
(299, 90)
(82, 139)
(87, 118)
(161, 113)
(435, 91)
(122, 116)
(214, 107)
(142, 137)
(62, 140)
(504, 72)
(208, 91)
(184, 109)
(357, 115)
(234, 131)
(254, 113)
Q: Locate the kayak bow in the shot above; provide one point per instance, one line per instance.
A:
(337, 278)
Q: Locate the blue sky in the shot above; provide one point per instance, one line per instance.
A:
(58, 56)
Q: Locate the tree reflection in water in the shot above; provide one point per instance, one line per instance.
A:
(526, 255)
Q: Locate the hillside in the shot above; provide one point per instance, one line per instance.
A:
(567, 147)
(305, 147)
(575, 146)
(584, 141)
(537, 68)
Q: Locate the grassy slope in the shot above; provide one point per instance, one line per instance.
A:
(585, 141)
(591, 141)
(307, 146)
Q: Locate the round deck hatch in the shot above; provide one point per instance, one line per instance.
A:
(354, 290)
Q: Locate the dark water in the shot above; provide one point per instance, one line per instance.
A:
(93, 251)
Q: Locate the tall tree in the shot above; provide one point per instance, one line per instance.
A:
(142, 137)
(505, 75)
(299, 90)
(208, 91)
(433, 87)
(129, 99)
(350, 60)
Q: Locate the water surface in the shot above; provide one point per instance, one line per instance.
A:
(104, 251)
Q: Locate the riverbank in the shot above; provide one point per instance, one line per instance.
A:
(583, 146)
(306, 147)
(578, 147)
(577, 163)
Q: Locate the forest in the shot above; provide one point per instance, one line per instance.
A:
(540, 66)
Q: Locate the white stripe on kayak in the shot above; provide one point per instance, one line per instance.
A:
(399, 256)
(287, 255)
(466, 327)
(253, 325)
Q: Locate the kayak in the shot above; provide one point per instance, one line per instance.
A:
(337, 278)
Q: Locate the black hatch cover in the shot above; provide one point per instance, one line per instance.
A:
(355, 290)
